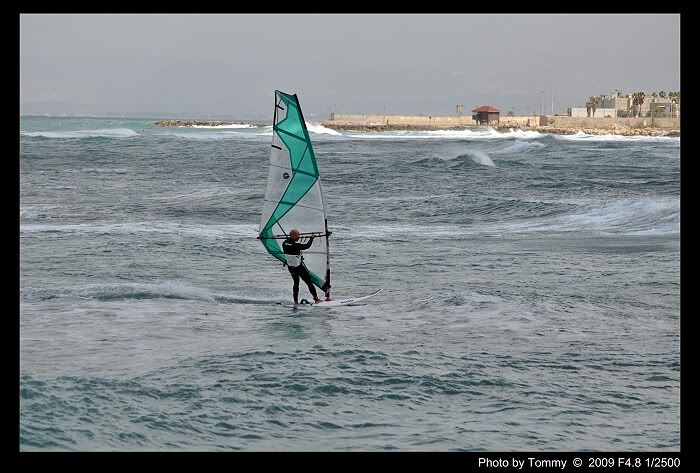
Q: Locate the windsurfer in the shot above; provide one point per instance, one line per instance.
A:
(295, 263)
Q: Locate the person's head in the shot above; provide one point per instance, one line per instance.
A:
(294, 234)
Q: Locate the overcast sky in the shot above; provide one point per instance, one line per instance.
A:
(228, 65)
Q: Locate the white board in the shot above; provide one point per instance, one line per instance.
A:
(340, 302)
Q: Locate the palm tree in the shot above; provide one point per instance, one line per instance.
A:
(637, 101)
(594, 104)
(676, 100)
(588, 108)
(662, 94)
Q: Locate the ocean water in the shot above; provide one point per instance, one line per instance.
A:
(531, 293)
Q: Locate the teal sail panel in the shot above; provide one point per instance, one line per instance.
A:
(294, 196)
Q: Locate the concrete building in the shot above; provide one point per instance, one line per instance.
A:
(582, 112)
(617, 103)
(486, 115)
(623, 105)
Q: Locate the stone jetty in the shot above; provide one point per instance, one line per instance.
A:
(204, 123)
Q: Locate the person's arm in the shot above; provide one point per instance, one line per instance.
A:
(294, 246)
(307, 245)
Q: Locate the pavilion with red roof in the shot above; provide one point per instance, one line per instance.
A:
(486, 115)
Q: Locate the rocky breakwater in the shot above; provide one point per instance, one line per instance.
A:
(613, 129)
(339, 126)
(202, 123)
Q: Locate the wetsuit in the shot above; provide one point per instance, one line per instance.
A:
(295, 265)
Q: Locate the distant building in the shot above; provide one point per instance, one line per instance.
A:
(623, 105)
(486, 115)
(582, 112)
(657, 105)
(618, 103)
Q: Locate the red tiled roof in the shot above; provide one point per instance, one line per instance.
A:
(486, 108)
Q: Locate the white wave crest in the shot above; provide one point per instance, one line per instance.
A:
(231, 125)
(164, 289)
(320, 129)
(206, 231)
(170, 289)
(660, 216)
(400, 231)
(98, 133)
(581, 136)
(521, 145)
(487, 133)
(34, 211)
(479, 157)
(216, 136)
(524, 134)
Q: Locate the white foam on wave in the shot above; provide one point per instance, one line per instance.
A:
(521, 145)
(524, 134)
(230, 125)
(658, 216)
(214, 231)
(171, 289)
(479, 157)
(406, 231)
(628, 216)
(216, 136)
(34, 211)
(320, 129)
(98, 133)
(104, 170)
(266, 131)
(581, 136)
(487, 133)
(457, 151)
(205, 193)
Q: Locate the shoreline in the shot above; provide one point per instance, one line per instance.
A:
(613, 129)
(556, 130)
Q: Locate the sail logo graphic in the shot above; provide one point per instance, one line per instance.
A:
(285, 175)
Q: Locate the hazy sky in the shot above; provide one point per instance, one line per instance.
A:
(228, 65)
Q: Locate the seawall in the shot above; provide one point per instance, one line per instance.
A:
(547, 123)
(421, 121)
(607, 122)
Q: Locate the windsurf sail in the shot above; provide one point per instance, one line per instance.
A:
(294, 196)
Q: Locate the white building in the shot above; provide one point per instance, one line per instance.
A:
(582, 112)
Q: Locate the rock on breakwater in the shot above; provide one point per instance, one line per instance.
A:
(204, 123)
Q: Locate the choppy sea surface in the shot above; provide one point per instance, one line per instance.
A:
(531, 293)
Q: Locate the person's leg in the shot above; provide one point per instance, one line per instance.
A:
(306, 277)
(295, 289)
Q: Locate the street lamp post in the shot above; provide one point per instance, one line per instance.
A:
(542, 110)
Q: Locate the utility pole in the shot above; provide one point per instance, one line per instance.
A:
(542, 109)
(552, 102)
